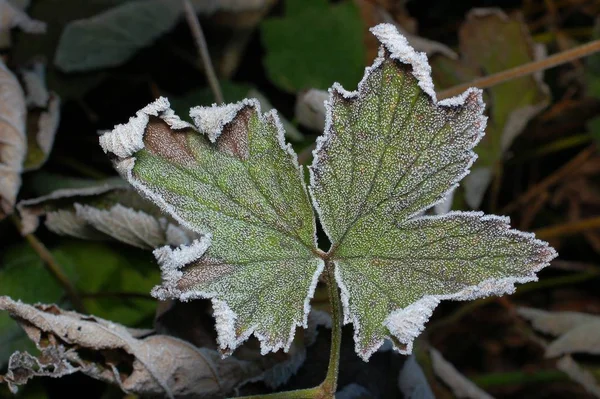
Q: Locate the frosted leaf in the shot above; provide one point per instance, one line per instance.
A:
(291, 132)
(109, 210)
(390, 151)
(238, 182)
(461, 386)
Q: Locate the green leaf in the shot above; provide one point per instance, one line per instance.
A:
(113, 276)
(114, 36)
(93, 268)
(23, 277)
(593, 126)
(314, 45)
(490, 42)
(390, 151)
(238, 183)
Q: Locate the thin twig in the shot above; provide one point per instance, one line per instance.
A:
(525, 69)
(569, 228)
(194, 23)
(554, 178)
(53, 267)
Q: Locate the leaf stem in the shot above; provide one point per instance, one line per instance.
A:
(326, 390)
(53, 267)
(525, 69)
(194, 23)
(329, 385)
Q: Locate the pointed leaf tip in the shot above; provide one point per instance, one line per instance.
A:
(389, 152)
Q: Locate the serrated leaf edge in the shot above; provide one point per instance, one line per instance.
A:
(407, 323)
(126, 139)
(172, 260)
(399, 49)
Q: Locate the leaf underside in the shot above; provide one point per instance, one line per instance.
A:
(389, 152)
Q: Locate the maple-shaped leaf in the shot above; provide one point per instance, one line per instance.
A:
(389, 151)
(237, 181)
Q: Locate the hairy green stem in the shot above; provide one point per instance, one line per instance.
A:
(326, 390)
(329, 386)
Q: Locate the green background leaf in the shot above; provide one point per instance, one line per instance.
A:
(314, 45)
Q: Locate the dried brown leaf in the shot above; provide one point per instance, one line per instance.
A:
(156, 365)
(110, 210)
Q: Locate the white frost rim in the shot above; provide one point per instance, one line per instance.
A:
(407, 323)
(399, 49)
(126, 139)
(172, 260)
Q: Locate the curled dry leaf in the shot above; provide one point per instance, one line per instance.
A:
(577, 332)
(461, 386)
(43, 116)
(586, 379)
(156, 365)
(13, 142)
(102, 211)
(490, 42)
(193, 322)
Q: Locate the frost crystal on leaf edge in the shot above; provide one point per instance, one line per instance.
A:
(407, 323)
(126, 139)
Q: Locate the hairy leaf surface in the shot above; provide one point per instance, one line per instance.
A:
(236, 181)
(390, 151)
